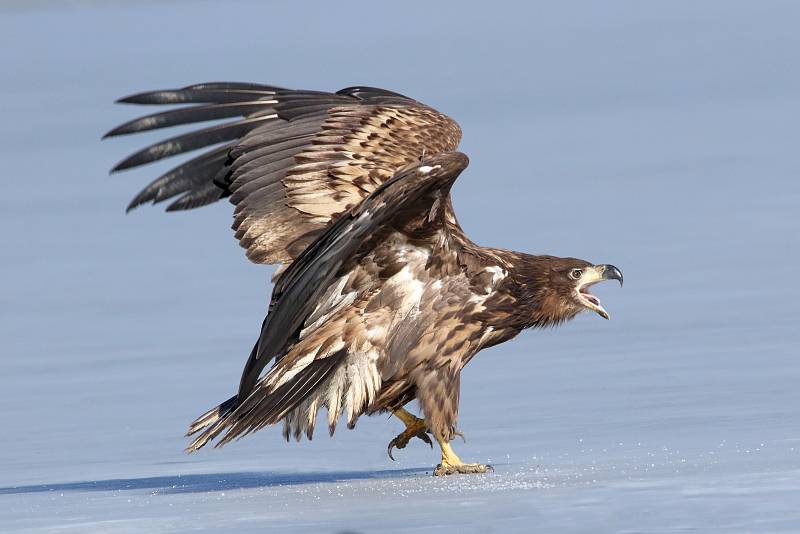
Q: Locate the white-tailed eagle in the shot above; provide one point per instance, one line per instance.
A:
(381, 298)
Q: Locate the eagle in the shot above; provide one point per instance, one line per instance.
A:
(380, 298)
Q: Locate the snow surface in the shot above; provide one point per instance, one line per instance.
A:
(662, 138)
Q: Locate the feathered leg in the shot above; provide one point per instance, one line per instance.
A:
(415, 428)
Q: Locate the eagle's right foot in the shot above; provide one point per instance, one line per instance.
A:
(415, 428)
(418, 429)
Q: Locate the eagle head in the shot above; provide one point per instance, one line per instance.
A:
(549, 290)
(557, 289)
(571, 279)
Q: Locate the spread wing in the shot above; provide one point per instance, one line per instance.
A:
(335, 308)
(291, 161)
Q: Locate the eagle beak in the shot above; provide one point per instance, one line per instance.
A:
(591, 276)
(610, 273)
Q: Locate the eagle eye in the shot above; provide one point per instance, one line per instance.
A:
(575, 274)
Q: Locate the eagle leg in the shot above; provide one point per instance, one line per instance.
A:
(452, 464)
(415, 428)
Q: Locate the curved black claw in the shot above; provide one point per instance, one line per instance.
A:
(401, 440)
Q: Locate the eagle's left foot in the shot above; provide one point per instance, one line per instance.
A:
(452, 464)
(445, 469)
(415, 428)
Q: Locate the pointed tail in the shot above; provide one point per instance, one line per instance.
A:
(208, 422)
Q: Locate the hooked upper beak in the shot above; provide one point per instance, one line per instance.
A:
(591, 276)
(610, 273)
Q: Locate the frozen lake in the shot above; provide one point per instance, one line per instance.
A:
(677, 124)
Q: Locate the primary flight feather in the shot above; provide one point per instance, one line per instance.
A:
(381, 299)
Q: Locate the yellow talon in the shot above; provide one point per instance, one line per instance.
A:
(415, 428)
(452, 464)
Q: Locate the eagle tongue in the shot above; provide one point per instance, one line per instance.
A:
(591, 298)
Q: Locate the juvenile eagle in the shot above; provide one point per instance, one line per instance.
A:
(381, 298)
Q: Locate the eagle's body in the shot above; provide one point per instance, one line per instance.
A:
(381, 299)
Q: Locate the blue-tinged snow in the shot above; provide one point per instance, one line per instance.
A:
(660, 137)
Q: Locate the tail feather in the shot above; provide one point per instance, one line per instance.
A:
(265, 405)
(207, 421)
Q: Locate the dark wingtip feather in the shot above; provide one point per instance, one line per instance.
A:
(195, 96)
(363, 92)
(137, 98)
(113, 132)
(191, 141)
(125, 128)
(162, 96)
(195, 175)
(135, 203)
(200, 196)
(179, 205)
(235, 85)
(126, 163)
(148, 194)
(192, 114)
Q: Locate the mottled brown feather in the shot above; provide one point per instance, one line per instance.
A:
(301, 159)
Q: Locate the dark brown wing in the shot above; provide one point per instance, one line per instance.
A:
(291, 162)
(334, 307)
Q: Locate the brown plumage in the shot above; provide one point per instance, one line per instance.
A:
(381, 299)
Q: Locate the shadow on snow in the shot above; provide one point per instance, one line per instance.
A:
(200, 483)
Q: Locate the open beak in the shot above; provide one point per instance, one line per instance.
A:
(591, 276)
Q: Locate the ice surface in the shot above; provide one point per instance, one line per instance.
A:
(662, 138)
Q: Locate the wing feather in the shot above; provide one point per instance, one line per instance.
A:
(200, 94)
(191, 141)
(188, 176)
(189, 115)
(328, 151)
(200, 196)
